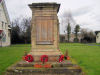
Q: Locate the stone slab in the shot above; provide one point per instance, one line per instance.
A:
(27, 68)
(54, 71)
(54, 64)
(57, 70)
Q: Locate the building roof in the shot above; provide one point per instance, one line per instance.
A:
(96, 32)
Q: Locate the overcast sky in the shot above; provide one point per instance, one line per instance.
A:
(85, 12)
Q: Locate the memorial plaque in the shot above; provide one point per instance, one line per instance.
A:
(44, 30)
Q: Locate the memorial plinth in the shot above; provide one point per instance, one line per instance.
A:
(45, 30)
(45, 41)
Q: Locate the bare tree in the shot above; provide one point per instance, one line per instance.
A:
(26, 23)
(21, 32)
(15, 31)
(68, 18)
(88, 36)
(68, 24)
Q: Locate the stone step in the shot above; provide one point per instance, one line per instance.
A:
(25, 68)
(54, 64)
(44, 71)
(46, 53)
(45, 50)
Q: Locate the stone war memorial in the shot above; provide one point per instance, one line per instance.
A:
(45, 57)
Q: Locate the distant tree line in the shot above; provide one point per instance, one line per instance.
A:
(21, 31)
(85, 35)
(88, 36)
(76, 31)
(73, 29)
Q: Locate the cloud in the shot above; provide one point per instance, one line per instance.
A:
(82, 11)
(97, 18)
(85, 12)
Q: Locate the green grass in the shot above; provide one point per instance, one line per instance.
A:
(88, 57)
(10, 55)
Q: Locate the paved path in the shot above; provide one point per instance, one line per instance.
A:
(92, 45)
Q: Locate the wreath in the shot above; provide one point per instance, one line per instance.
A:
(44, 58)
(61, 58)
(29, 58)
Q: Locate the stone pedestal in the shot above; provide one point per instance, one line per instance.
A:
(45, 30)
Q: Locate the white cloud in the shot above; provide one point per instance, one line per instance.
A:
(85, 12)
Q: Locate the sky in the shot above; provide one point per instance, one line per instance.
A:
(86, 13)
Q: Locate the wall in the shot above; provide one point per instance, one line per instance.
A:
(98, 38)
(4, 27)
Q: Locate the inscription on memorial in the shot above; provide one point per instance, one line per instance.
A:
(44, 30)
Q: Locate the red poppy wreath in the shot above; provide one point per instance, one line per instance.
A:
(29, 58)
(61, 58)
(44, 58)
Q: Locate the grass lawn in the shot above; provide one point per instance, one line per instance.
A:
(10, 55)
(88, 57)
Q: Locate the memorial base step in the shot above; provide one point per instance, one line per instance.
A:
(24, 68)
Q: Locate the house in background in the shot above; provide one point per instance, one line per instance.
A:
(63, 37)
(4, 25)
(97, 36)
